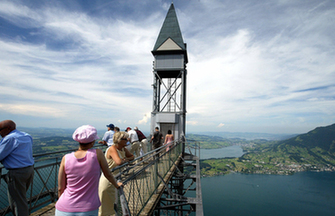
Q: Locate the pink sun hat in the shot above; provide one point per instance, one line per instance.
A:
(85, 134)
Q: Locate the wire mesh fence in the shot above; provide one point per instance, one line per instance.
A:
(141, 178)
(43, 190)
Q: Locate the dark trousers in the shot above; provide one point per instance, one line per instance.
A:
(18, 181)
(156, 146)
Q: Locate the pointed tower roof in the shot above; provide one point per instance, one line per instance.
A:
(170, 37)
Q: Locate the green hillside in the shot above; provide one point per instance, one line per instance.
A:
(314, 147)
(314, 150)
(320, 138)
(215, 142)
(52, 144)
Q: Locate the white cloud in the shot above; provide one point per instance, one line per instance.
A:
(32, 110)
(145, 119)
(249, 66)
(220, 125)
(192, 123)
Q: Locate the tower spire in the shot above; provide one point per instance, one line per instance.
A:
(170, 32)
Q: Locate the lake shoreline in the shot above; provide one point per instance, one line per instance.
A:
(225, 160)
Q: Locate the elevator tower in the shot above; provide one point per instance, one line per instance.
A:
(169, 84)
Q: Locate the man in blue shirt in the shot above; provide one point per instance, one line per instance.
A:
(108, 137)
(16, 155)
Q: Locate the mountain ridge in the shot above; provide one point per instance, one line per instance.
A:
(323, 137)
(311, 151)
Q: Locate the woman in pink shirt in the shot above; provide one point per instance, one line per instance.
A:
(78, 177)
(169, 140)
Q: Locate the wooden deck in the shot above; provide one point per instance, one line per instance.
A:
(46, 211)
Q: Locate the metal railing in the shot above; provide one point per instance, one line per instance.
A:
(192, 147)
(44, 188)
(141, 178)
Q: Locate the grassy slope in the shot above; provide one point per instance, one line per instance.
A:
(314, 150)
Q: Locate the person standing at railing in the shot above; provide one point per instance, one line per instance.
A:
(16, 155)
(78, 177)
(157, 138)
(168, 140)
(108, 136)
(143, 139)
(134, 142)
(116, 155)
(116, 129)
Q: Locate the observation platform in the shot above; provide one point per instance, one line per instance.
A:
(156, 183)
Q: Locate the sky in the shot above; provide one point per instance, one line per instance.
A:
(253, 66)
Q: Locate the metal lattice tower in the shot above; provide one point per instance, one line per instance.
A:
(169, 113)
(169, 84)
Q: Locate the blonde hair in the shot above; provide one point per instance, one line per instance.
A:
(118, 136)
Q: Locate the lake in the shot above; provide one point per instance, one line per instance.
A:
(230, 151)
(305, 193)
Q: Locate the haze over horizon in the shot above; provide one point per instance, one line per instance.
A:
(254, 66)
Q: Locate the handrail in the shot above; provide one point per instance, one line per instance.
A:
(43, 190)
(140, 178)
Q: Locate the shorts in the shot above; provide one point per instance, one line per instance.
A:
(89, 213)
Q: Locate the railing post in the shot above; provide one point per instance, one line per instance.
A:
(56, 181)
(31, 191)
(123, 203)
(156, 171)
(183, 140)
(169, 158)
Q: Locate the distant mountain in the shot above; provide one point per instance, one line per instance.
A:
(316, 147)
(248, 135)
(312, 151)
(42, 132)
(320, 137)
(46, 140)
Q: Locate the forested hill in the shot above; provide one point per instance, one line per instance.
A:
(314, 147)
(320, 137)
(314, 150)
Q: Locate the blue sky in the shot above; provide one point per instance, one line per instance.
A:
(254, 66)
